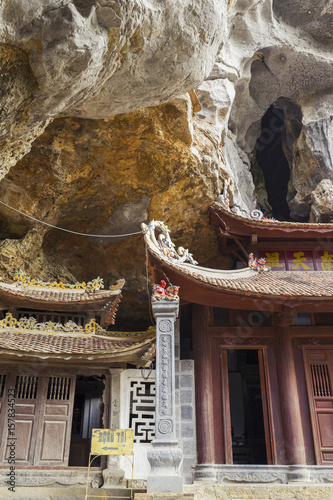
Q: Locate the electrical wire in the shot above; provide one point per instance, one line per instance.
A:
(68, 230)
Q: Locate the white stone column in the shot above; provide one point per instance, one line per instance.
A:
(166, 456)
(113, 475)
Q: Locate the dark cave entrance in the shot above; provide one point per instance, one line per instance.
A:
(273, 155)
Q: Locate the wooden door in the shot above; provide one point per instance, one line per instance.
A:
(265, 398)
(20, 408)
(43, 418)
(318, 364)
(54, 429)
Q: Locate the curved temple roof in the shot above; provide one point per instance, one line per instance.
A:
(245, 288)
(33, 345)
(56, 299)
(239, 225)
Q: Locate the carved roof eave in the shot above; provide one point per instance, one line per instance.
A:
(246, 288)
(243, 226)
(140, 353)
(61, 300)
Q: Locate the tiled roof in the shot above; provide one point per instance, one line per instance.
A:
(283, 284)
(56, 295)
(21, 342)
(306, 226)
(286, 284)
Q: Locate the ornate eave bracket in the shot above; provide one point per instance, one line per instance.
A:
(157, 236)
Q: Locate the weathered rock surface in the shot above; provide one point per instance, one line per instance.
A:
(97, 58)
(106, 177)
(282, 51)
(322, 202)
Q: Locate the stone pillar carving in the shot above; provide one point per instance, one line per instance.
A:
(166, 456)
(113, 475)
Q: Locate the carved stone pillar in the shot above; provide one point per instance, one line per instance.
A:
(113, 475)
(166, 456)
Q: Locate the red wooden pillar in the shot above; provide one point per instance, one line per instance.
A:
(203, 385)
(290, 409)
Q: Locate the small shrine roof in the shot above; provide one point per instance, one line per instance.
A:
(137, 349)
(244, 288)
(58, 299)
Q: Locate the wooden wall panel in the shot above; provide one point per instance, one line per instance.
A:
(53, 442)
(318, 364)
(54, 434)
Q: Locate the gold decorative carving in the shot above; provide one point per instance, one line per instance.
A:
(31, 324)
(70, 327)
(24, 281)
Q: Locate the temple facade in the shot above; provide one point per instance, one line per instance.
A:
(260, 337)
(244, 367)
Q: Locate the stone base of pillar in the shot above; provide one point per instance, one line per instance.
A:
(206, 473)
(165, 477)
(113, 477)
(298, 474)
(165, 484)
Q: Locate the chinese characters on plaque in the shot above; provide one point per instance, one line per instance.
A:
(308, 260)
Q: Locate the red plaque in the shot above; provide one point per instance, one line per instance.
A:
(300, 261)
(324, 260)
(275, 260)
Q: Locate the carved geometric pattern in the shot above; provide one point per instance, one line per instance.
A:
(165, 325)
(2, 384)
(165, 426)
(26, 386)
(59, 388)
(142, 410)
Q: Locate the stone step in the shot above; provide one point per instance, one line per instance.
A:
(65, 493)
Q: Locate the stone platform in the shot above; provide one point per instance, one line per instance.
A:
(261, 492)
(64, 493)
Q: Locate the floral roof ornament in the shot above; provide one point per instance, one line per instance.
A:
(49, 326)
(160, 236)
(23, 280)
(258, 264)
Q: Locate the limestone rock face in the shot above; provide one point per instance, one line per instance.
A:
(322, 202)
(313, 152)
(98, 58)
(281, 51)
(105, 178)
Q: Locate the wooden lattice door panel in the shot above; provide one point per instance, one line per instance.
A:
(53, 441)
(319, 378)
(26, 414)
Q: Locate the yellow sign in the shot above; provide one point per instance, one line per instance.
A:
(112, 441)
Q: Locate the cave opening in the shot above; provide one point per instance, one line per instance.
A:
(273, 157)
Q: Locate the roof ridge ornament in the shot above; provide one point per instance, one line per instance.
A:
(23, 280)
(49, 326)
(258, 265)
(164, 243)
(163, 292)
(257, 214)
